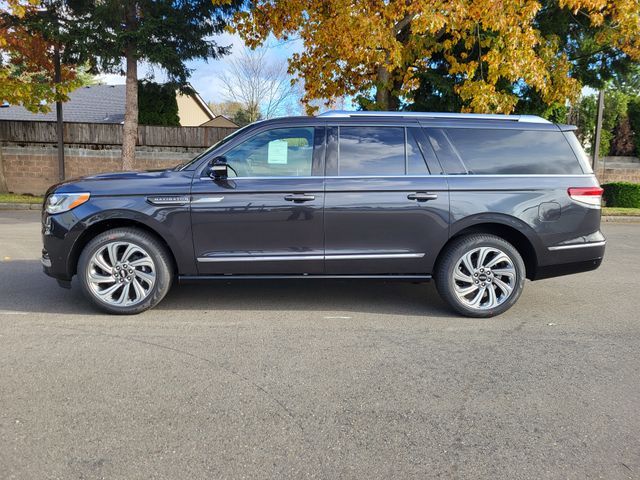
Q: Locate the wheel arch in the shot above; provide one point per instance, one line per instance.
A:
(101, 226)
(513, 230)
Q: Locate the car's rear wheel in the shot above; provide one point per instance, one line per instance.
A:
(125, 271)
(480, 275)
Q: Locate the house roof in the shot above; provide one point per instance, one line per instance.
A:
(220, 121)
(92, 104)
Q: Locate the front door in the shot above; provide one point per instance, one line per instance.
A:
(266, 217)
(384, 211)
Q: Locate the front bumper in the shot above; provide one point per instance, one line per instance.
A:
(59, 234)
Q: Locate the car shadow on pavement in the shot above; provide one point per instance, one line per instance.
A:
(25, 288)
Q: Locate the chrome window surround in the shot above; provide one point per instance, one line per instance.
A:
(462, 175)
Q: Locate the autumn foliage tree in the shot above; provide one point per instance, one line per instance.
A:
(26, 62)
(355, 46)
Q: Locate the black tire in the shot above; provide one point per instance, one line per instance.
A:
(151, 246)
(450, 288)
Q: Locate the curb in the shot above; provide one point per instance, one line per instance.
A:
(621, 219)
(20, 206)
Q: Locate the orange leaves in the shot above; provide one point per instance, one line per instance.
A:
(27, 75)
(349, 43)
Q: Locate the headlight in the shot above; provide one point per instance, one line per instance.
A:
(63, 202)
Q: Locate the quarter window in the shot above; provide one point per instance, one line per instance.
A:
(371, 151)
(281, 152)
(510, 151)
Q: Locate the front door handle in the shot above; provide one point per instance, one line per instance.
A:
(299, 197)
(422, 196)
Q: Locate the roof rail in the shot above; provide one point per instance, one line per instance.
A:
(435, 115)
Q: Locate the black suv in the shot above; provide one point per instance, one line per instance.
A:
(476, 202)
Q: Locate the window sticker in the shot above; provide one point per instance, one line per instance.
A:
(277, 152)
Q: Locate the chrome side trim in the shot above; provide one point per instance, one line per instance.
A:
(267, 258)
(366, 256)
(207, 200)
(278, 258)
(580, 245)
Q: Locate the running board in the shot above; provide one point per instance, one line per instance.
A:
(410, 278)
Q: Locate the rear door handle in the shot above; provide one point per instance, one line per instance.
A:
(299, 197)
(422, 196)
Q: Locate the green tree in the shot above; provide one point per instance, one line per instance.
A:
(615, 110)
(157, 104)
(633, 111)
(162, 33)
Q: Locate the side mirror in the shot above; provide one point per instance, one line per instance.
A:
(218, 168)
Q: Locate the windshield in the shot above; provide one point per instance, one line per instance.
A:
(228, 138)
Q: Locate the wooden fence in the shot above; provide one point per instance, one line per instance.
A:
(13, 131)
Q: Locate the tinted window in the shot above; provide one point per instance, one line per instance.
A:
(447, 157)
(371, 151)
(514, 151)
(415, 160)
(281, 152)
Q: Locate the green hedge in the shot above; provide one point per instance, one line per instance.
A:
(622, 194)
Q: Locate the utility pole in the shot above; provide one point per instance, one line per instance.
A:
(59, 125)
(596, 143)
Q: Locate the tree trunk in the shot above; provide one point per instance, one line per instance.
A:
(385, 99)
(130, 129)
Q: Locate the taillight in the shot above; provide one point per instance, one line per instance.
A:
(589, 195)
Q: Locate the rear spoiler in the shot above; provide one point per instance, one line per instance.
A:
(566, 128)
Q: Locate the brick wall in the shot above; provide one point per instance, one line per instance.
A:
(33, 168)
(618, 169)
(620, 175)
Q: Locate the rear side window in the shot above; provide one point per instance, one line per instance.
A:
(371, 151)
(507, 151)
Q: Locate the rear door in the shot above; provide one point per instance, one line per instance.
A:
(266, 218)
(385, 213)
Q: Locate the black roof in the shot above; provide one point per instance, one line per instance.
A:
(92, 104)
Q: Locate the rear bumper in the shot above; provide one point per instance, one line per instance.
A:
(571, 258)
(558, 270)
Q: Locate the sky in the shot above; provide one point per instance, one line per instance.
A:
(205, 77)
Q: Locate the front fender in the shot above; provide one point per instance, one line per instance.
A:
(171, 223)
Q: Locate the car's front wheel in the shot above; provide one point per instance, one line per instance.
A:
(480, 275)
(125, 271)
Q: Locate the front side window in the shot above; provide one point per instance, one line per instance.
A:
(281, 152)
(371, 151)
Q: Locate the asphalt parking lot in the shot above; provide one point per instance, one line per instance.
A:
(319, 379)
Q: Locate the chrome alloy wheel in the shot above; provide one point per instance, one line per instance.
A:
(121, 274)
(484, 278)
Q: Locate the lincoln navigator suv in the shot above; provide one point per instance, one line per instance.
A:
(477, 203)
